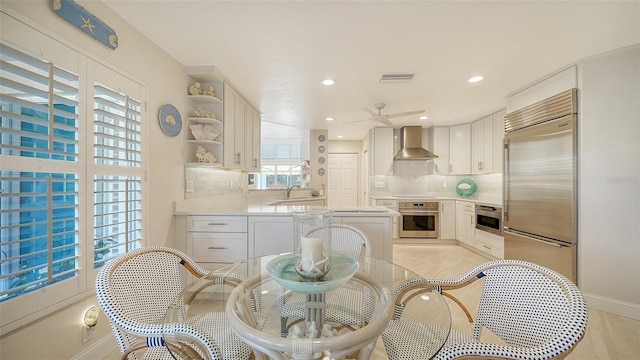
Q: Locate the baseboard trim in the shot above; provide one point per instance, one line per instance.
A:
(613, 306)
(98, 350)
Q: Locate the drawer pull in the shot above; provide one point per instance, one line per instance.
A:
(216, 248)
(486, 247)
(218, 224)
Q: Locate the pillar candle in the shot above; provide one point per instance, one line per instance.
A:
(311, 252)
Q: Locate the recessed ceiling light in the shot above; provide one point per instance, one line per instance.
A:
(475, 79)
(339, 136)
(328, 82)
(329, 119)
(423, 117)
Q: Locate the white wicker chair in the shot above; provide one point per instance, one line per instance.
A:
(345, 239)
(537, 312)
(135, 290)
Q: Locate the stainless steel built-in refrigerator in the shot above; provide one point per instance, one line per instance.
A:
(540, 197)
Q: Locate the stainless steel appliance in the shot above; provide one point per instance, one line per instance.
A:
(489, 218)
(540, 198)
(419, 219)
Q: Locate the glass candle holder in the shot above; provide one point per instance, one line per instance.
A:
(312, 240)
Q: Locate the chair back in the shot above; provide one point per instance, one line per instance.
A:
(135, 289)
(345, 239)
(528, 306)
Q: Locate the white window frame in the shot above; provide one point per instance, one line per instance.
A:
(32, 306)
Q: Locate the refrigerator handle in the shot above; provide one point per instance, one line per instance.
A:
(534, 239)
(505, 179)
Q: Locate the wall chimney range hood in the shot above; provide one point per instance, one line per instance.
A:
(411, 145)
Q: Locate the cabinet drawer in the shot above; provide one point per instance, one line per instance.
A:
(391, 204)
(218, 247)
(225, 224)
(490, 243)
(468, 206)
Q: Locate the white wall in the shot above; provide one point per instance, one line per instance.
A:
(609, 195)
(58, 335)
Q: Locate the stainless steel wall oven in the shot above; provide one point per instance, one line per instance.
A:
(489, 218)
(419, 219)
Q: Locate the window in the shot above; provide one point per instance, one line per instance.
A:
(281, 164)
(72, 177)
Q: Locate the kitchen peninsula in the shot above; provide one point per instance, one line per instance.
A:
(217, 231)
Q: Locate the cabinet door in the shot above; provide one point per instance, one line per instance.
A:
(381, 144)
(239, 137)
(447, 219)
(377, 229)
(439, 145)
(470, 225)
(461, 230)
(460, 149)
(252, 144)
(270, 235)
(234, 128)
(482, 134)
(498, 140)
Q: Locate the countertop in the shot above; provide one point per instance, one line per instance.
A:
(491, 201)
(236, 205)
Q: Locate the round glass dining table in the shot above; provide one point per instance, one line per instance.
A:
(280, 315)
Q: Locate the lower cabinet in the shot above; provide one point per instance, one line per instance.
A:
(447, 219)
(377, 229)
(270, 235)
(490, 243)
(466, 222)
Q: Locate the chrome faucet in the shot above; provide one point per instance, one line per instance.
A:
(291, 188)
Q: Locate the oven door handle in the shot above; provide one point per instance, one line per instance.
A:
(402, 212)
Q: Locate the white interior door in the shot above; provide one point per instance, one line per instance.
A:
(343, 180)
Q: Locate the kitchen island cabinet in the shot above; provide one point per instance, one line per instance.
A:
(447, 219)
(466, 222)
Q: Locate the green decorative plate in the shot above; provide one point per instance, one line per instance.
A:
(466, 187)
(282, 270)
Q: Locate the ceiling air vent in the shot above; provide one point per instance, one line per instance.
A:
(396, 77)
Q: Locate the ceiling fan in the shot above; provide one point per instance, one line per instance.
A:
(382, 118)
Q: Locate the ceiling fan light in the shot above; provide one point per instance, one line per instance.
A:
(476, 79)
(328, 82)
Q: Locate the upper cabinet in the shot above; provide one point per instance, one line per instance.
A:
(381, 151)
(438, 144)
(204, 118)
(241, 132)
(460, 149)
(482, 146)
(498, 140)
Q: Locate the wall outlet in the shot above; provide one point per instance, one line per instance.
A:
(87, 333)
(379, 185)
(444, 184)
(189, 187)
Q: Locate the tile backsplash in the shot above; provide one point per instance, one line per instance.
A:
(213, 182)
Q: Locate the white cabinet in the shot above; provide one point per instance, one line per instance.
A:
(377, 229)
(498, 140)
(482, 157)
(466, 222)
(439, 145)
(270, 235)
(215, 241)
(489, 243)
(253, 122)
(460, 149)
(241, 132)
(381, 151)
(392, 205)
(447, 219)
(204, 114)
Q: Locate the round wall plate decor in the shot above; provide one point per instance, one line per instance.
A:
(170, 120)
(321, 138)
(320, 149)
(321, 171)
(321, 160)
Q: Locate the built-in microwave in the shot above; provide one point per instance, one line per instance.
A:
(489, 218)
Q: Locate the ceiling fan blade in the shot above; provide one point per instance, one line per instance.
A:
(406, 113)
(386, 121)
(370, 111)
(355, 121)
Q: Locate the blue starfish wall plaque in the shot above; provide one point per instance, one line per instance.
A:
(85, 21)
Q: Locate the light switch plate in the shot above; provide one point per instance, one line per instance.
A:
(189, 187)
(379, 185)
